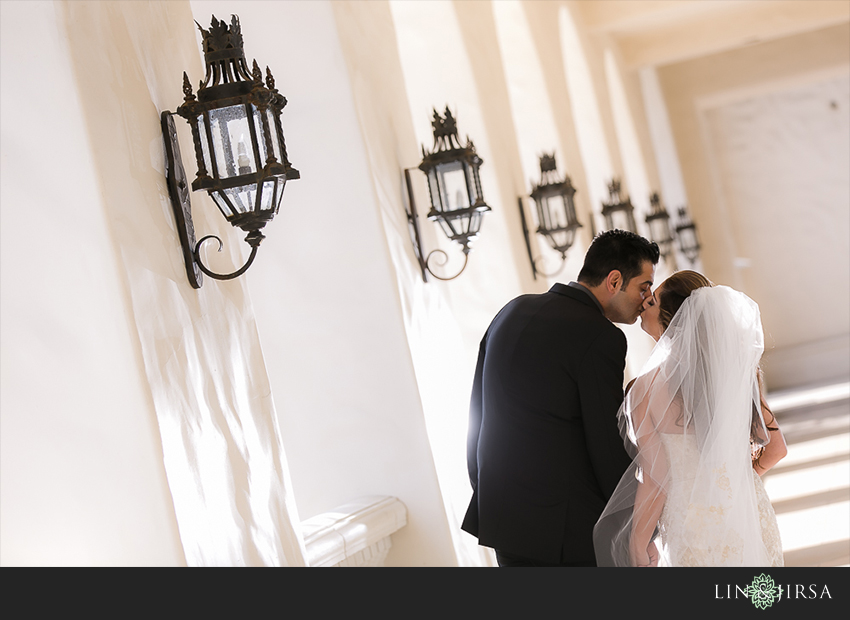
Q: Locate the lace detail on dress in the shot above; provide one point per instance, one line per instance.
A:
(769, 526)
(691, 532)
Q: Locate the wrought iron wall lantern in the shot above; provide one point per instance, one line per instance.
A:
(619, 213)
(658, 221)
(239, 147)
(457, 203)
(556, 213)
(686, 232)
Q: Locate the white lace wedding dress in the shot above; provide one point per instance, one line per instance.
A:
(690, 421)
(698, 535)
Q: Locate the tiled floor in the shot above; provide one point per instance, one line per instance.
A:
(810, 487)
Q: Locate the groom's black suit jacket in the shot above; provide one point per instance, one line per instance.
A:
(544, 451)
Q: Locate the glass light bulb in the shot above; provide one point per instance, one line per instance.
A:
(242, 159)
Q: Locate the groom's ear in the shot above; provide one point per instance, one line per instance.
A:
(613, 281)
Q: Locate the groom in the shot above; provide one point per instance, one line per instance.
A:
(544, 452)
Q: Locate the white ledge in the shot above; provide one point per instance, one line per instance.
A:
(354, 534)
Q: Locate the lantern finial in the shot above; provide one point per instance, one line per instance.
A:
(548, 169)
(187, 89)
(224, 56)
(445, 131)
(219, 38)
(614, 190)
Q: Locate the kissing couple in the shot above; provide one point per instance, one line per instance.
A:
(569, 469)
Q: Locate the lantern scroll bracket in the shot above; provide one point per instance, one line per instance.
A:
(535, 267)
(181, 205)
(253, 242)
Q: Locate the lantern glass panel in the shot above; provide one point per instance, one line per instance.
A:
(570, 206)
(543, 218)
(273, 131)
(557, 212)
(223, 205)
(280, 182)
(561, 240)
(620, 219)
(261, 134)
(267, 195)
(242, 198)
(232, 141)
(471, 174)
(205, 144)
(687, 240)
(660, 231)
(475, 223)
(449, 227)
(455, 193)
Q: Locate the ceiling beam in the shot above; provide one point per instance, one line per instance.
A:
(621, 16)
(663, 32)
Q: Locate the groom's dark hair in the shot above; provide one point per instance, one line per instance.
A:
(617, 249)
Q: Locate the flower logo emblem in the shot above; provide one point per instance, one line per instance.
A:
(763, 591)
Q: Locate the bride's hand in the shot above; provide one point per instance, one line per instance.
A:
(639, 557)
(645, 558)
(652, 552)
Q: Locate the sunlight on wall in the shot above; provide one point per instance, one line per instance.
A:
(591, 137)
(634, 170)
(663, 145)
(534, 121)
(437, 72)
(672, 185)
(532, 114)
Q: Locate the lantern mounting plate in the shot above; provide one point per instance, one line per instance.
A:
(178, 191)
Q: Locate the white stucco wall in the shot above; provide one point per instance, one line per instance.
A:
(165, 384)
(82, 480)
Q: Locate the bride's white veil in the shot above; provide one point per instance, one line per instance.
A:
(687, 421)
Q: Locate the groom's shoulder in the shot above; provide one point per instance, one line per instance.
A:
(576, 300)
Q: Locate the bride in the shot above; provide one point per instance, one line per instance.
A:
(694, 423)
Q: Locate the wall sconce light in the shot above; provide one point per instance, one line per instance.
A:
(239, 147)
(618, 213)
(556, 213)
(658, 221)
(457, 203)
(686, 232)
